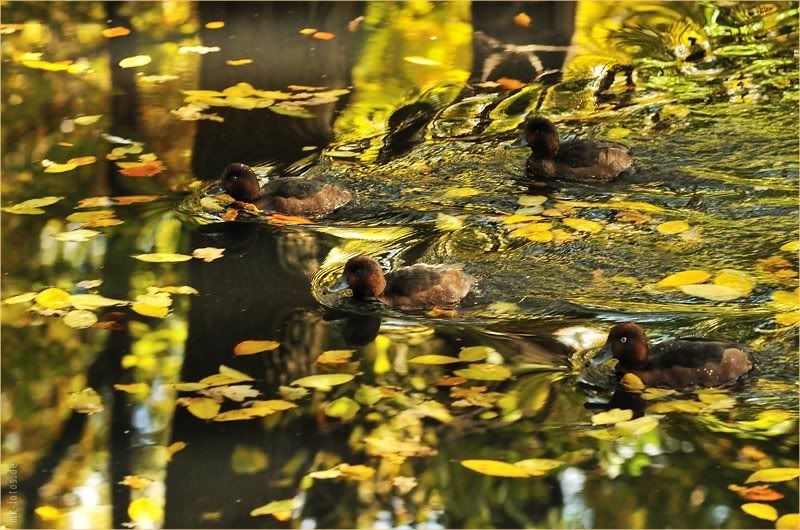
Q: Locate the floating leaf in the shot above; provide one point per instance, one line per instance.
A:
(307, 31)
(434, 359)
(456, 193)
(734, 279)
(47, 513)
(295, 111)
(344, 408)
(141, 169)
(718, 293)
(522, 20)
(87, 401)
(116, 31)
(20, 298)
(238, 62)
(185, 387)
(791, 246)
(80, 319)
(678, 405)
(495, 468)
(536, 467)
(135, 482)
(583, 225)
(323, 381)
(323, 35)
(291, 393)
(684, 278)
(326, 474)
(761, 511)
(475, 353)
(247, 413)
(234, 392)
(276, 507)
(60, 168)
(356, 472)
(368, 395)
(84, 217)
(208, 254)
(134, 388)
(145, 510)
(776, 474)
(789, 521)
(93, 301)
(201, 407)
(76, 236)
(87, 120)
(162, 257)
(53, 298)
(788, 319)
(673, 227)
(756, 493)
(135, 61)
(485, 372)
(148, 310)
(174, 448)
(216, 24)
(200, 50)
(178, 289)
(631, 382)
(334, 356)
(636, 427)
(422, 61)
(250, 347)
(612, 416)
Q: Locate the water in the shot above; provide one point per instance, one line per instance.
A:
(422, 132)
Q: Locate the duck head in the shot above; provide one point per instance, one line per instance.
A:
(241, 182)
(365, 277)
(542, 137)
(628, 344)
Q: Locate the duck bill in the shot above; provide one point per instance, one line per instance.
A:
(602, 356)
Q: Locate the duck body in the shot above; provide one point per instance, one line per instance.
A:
(287, 195)
(688, 362)
(578, 160)
(681, 363)
(418, 286)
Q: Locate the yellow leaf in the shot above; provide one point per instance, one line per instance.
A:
(422, 61)
(785, 300)
(356, 472)
(185, 387)
(495, 468)
(517, 219)
(485, 372)
(791, 246)
(734, 279)
(60, 168)
(434, 359)
(162, 257)
(326, 474)
(673, 227)
(145, 510)
(461, 192)
(208, 254)
(80, 319)
(174, 448)
(789, 521)
(19, 298)
(86, 217)
(684, 278)
(522, 20)
(87, 120)
(238, 62)
(248, 460)
(47, 513)
(116, 31)
(323, 35)
(32, 204)
(536, 467)
(631, 382)
(218, 380)
(135, 482)
(135, 61)
(247, 413)
(203, 408)
(93, 301)
(583, 225)
(308, 31)
(178, 289)
(776, 474)
(216, 24)
(323, 381)
(448, 223)
(612, 416)
(82, 161)
(275, 507)
(636, 427)
(274, 404)
(234, 374)
(148, 310)
(87, 401)
(76, 235)
(53, 298)
(788, 319)
(134, 388)
(250, 347)
(531, 200)
(344, 408)
(617, 133)
(475, 353)
(334, 356)
(718, 293)
(760, 510)
(678, 405)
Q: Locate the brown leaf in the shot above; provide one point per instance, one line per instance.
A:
(756, 493)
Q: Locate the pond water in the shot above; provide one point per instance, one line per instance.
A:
(416, 107)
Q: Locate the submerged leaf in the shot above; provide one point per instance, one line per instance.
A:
(673, 227)
(612, 416)
(135, 61)
(485, 372)
(495, 468)
(434, 359)
(323, 381)
(80, 319)
(162, 257)
(712, 291)
(344, 408)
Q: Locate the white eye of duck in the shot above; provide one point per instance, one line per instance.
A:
(624, 339)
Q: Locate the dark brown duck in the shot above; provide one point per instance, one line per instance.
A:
(288, 195)
(579, 160)
(680, 363)
(419, 286)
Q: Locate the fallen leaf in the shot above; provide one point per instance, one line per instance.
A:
(53, 298)
(93, 301)
(116, 31)
(344, 408)
(76, 236)
(291, 110)
(238, 62)
(734, 279)
(761, 511)
(20, 298)
(250, 347)
(323, 381)
(134, 388)
(673, 227)
(135, 61)
(434, 359)
(631, 382)
(789, 521)
(495, 468)
(461, 192)
(536, 467)
(208, 254)
(475, 353)
(356, 472)
(756, 493)
(200, 50)
(684, 278)
(135, 482)
(87, 120)
(448, 223)
(354, 24)
(201, 407)
(178, 289)
(776, 474)
(635, 427)
(791, 246)
(234, 392)
(612, 416)
(718, 293)
(291, 393)
(522, 20)
(308, 31)
(84, 217)
(485, 372)
(47, 513)
(276, 507)
(87, 401)
(334, 356)
(216, 24)
(144, 169)
(32, 206)
(148, 310)
(79, 319)
(145, 511)
(507, 83)
(162, 257)
(174, 448)
(60, 168)
(323, 35)
(583, 225)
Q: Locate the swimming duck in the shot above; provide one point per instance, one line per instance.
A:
(419, 286)
(582, 160)
(287, 195)
(679, 363)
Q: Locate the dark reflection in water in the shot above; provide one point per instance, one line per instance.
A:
(425, 132)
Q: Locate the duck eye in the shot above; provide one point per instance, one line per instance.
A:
(624, 339)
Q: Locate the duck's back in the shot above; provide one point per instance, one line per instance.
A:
(592, 160)
(689, 362)
(299, 196)
(421, 286)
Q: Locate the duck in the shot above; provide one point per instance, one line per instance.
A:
(677, 364)
(577, 160)
(287, 195)
(418, 286)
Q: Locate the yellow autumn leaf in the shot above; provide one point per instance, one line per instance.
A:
(631, 382)
(583, 225)
(87, 120)
(216, 24)
(145, 510)
(20, 298)
(536, 467)
(238, 62)
(736, 280)
(760, 510)
(635, 427)
(53, 298)
(162, 257)
(133, 388)
(485, 372)
(711, 291)
(135, 482)
(208, 254)
(334, 356)
(185, 387)
(174, 448)
(789, 521)
(82, 161)
(274, 404)
(178, 289)
(323, 381)
(434, 359)
(135, 61)
(678, 405)
(77, 236)
(116, 31)
(788, 319)
(473, 354)
(247, 413)
(60, 168)
(673, 227)
(495, 468)
(517, 219)
(461, 192)
(148, 310)
(356, 472)
(775, 474)
(791, 246)
(234, 374)
(47, 513)
(92, 301)
(274, 507)
(785, 300)
(87, 401)
(307, 31)
(250, 347)
(344, 408)
(612, 416)
(684, 278)
(80, 319)
(203, 408)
